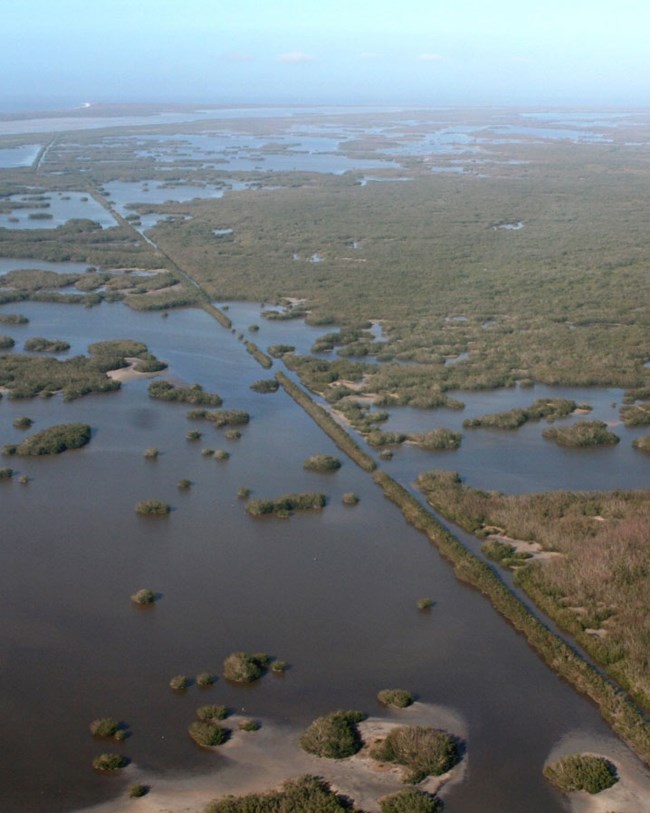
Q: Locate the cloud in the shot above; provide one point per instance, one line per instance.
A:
(295, 58)
(430, 58)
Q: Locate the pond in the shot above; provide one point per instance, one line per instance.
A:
(333, 593)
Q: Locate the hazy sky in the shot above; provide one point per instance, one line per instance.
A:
(325, 51)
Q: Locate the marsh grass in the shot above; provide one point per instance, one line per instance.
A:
(581, 772)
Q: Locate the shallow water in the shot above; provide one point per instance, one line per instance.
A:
(62, 207)
(333, 593)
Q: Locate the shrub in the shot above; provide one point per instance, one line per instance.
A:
(244, 493)
(55, 439)
(23, 479)
(204, 679)
(243, 667)
(184, 484)
(221, 454)
(350, 498)
(13, 319)
(334, 736)
(137, 791)
(6, 342)
(581, 772)
(144, 596)
(152, 508)
(265, 385)
(151, 454)
(322, 462)
(308, 794)
(207, 452)
(104, 727)
(581, 434)
(425, 603)
(642, 443)
(249, 725)
(165, 391)
(279, 667)
(208, 735)
(279, 350)
(209, 714)
(23, 423)
(194, 435)
(41, 345)
(179, 683)
(438, 440)
(409, 800)
(220, 417)
(283, 506)
(233, 434)
(6, 473)
(422, 750)
(109, 762)
(399, 698)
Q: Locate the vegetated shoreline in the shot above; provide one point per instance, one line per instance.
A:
(615, 706)
(262, 760)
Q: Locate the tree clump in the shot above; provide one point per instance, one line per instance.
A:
(53, 440)
(398, 698)
(581, 772)
(422, 750)
(582, 434)
(243, 667)
(322, 462)
(334, 736)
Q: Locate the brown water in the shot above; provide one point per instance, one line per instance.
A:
(332, 593)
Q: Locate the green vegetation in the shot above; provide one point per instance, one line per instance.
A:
(165, 391)
(204, 679)
(104, 727)
(137, 791)
(642, 443)
(41, 345)
(327, 424)
(504, 553)
(152, 508)
(221, 454)
(322, 463)
(582, 433)
(144, 597)
(259, 356)
(29, 376)
(6, 473)
(211, 714)
(249, 725)
(422, 750)
(208, 735)
(597, 583)
(179, 683)
(184, 484)
(232, 434)
(244, 667)
(409, 800)
(350, 498)
(53, 440)
(437, 439)
(623, 716)
(399, 698)
(636, 415)
(151, 453)
(13, 319)
(308, 794)
(220, 417)
(334, 736)
(23, 423)
(424, 603)
(549, 408)
(194, 435)
(287, 504)
(279, 350)
(6, 342)
(279, 667)
(109, 763)
(581, 772)
(265, 385)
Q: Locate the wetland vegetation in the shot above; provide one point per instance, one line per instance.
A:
(53, 440)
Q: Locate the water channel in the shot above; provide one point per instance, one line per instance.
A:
(333, 593)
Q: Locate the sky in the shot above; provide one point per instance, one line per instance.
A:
(62, 53)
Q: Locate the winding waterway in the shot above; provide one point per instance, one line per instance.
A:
(333, 593)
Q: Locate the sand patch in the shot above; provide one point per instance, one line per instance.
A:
(631, 794)
(252, 762)
(521, 546)
(129, 373)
